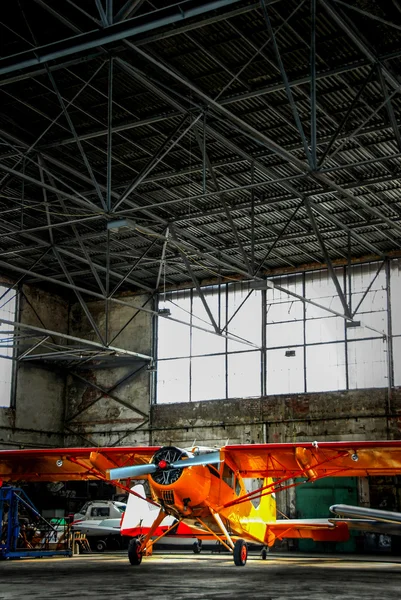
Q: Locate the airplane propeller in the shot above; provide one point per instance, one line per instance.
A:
(138, 470)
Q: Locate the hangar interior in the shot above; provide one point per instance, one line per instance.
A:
(200, 224)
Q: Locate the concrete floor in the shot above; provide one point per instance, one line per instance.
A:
(207, 576)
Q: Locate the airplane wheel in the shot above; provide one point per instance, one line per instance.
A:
(100, 546)
(134, 552)
(197, 547)
(240, 553)
(263, 554)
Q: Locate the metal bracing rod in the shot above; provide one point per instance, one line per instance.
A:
(129, 8)
(81, 244)
(136, 263)
(222, 200)
(196, 282)
(108, 392)
(368, 14)
(102, 14)
(251, 131)
(162, 258)
(313, 84)
(80, 147)
(347, 114)
(54, 121)
(33, 348)
(165, 148)
(259, 137)
(170, 15)
(46, 203)
(72, 338)
(109, 124)
(327, 258)
(116, 301)
(80, 299)
(354, 312)
(360, 43)
(390, 108)
(287, 87)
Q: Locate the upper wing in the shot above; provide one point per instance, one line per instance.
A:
(313, 460)
(63, 464)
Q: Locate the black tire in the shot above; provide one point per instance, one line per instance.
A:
(100, 546)
(263, 554)
(240, 553)
(197, 547)
(134, 552)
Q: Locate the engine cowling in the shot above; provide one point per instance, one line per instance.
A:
(182, 489)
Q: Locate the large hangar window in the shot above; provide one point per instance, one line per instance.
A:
(7, 312)
(285, 344)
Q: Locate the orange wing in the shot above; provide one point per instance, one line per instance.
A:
(64, 464)
(314, 460)
(319, 530)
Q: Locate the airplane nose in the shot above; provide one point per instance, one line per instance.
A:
(163, 464)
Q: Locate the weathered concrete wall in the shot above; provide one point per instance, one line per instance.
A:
(120, 416)
(353, 415)
(37, 418)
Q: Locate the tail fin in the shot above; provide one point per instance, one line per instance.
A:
(140, 514)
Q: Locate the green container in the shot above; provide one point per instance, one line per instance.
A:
(313, 501)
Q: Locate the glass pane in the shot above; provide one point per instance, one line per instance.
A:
(395, 286)
(285, 374)
(367, 363)
(202, 341)
(173, 380)
(247, 322)
(7, 311)
(329, 329)
(174, 338)
(397, 360)
(208, 378)
(325, 367)
(244, 375)
(285, 334)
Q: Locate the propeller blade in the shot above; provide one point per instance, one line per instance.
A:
(132, 471)
(202, 459)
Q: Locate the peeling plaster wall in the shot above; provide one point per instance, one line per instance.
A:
(37, 418)
(120, 417)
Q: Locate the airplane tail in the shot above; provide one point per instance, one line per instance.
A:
(140, 515)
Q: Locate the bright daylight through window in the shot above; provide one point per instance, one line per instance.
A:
(302, 348)
(7, 312)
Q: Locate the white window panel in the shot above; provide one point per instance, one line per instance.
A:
(202, 341)
(330, 329)
(292, 283)
(174, 338)
(7, 311)
(285, 374)
(395, 286)
(373, 301)
(285, 310)
(244, 375)
(173, 380)
(208, 378)
(285, 334)
(372, 325)
(367, 364)
(247, 322)
(397, 360)
(362, 276)
(325, 367)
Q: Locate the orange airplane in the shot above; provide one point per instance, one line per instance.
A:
(226, 494)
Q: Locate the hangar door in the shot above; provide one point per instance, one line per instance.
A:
(313, 501)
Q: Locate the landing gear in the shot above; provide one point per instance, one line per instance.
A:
(100, 546)
(197, 547)
(135, 552)
(240, 553)
(263, 554)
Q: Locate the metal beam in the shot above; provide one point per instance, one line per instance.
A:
(168, 16)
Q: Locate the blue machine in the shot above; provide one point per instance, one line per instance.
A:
(30, 535)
